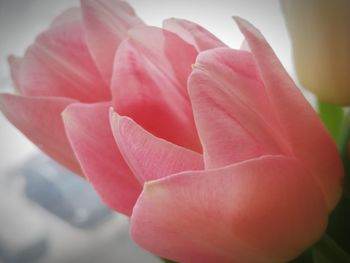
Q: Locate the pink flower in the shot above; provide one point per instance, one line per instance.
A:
(94, 57)
(251, 176)
(149, 85)
(268, 177)
(69, 62)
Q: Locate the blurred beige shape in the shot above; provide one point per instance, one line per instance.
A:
(320, 33)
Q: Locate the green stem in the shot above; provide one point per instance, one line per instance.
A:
(167, 260)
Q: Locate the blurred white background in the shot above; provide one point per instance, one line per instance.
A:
(23, 221)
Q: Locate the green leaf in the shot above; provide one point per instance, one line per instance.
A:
(339, 222)
(333, 117)
(327, 251)
(306, 257)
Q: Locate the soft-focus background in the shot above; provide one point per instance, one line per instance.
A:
(48, 215)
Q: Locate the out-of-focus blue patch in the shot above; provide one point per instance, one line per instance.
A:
(63, 193)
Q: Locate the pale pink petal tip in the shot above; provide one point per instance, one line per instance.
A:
(246, 26)
(15, 70)
(245, 46)
(193, 33)
(67, 16)
(113, 116)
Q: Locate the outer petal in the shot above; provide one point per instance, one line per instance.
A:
(238, 70)
(59, 64)
(310, 141)
(150, 157)
(15, 69)
(231, 109)
(255, 211)
(89, 132)
(40, 120)
(150, 84)
(193, 33)
(106, 25)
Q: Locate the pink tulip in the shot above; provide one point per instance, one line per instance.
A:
(268, 177)
(149, 85)
(251, 176)
(94, 57)
(70, 62)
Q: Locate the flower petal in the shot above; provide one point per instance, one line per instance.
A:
(150, 84)
(90, 134)
(70, 15)
(231, 109)
(193, 33)
(15, 70)
(150, 157)
(59, 64)
(245, 46)
(254, 211)
(39, 119)
(299, 122)
(106, 25)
